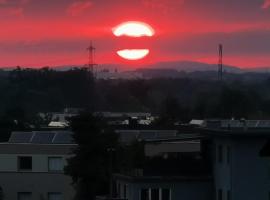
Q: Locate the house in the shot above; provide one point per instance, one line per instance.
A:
(175, 169)
(127, 118)
(233, 153)
(163, 188)
(241, 164)
(127, 136)
(32, 164)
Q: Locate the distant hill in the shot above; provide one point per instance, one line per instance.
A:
(184, 66)
(259, 70)
(190, 66)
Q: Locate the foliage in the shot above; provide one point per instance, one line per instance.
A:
(46, 90)
(89, 166)
(28, 91)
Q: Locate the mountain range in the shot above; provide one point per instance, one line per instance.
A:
(185, 66)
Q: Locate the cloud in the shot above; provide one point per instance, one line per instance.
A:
(78, 7)
(266, 4)
(164, 6)
(12, 12)
(17, 12)
(3, 3)
(12, 8)
(13, 3)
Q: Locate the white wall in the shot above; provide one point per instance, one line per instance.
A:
(247, 175)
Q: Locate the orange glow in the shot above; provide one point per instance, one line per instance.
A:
(133, 29)
(133, 54)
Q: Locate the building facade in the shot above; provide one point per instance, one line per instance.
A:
(34, 169)
(241, 169)
(163, 188)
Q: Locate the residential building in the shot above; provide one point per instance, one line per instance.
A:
(241, 165)
(128, 135)
(175, 168)
(32, 166)
(233, 153)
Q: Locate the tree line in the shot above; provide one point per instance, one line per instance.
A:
(25, 92)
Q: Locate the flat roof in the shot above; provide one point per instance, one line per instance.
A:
(237, 133)
(179, 137)
(162, 178)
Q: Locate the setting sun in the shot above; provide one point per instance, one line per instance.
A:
(133, 54)
(133, 29)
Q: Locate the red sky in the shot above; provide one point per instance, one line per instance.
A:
(36, 33)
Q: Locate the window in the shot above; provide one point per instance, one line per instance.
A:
(144, 194)
(228, 154)
(219, 194)
(24, 195)
(1, 193)
(166, 194)
(55, 196)
(118, 189)
(229, 195)
(154, 194)
(125, 191)
(55, 164)
(220, 153)
(25, 163)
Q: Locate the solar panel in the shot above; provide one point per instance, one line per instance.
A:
(147, 135)
(128, 137)
(251, 123)
(165, 134)
(43, 137)
(64, 137)
(263, 124)
(20, 137)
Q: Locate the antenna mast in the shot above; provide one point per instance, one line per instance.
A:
(91, 49)
(220, 62)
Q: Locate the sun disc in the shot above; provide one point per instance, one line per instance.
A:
(133, 29)
(133, 54)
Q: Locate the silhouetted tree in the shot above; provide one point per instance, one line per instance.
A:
(89, 166)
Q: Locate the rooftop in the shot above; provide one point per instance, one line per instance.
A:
(237, 133)
(41, 137)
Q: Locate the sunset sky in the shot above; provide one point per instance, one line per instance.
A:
(40, 33)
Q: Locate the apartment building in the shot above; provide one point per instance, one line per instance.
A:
(32, 166)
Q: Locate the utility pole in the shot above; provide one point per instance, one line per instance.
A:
(91, 49)
(220, 62)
